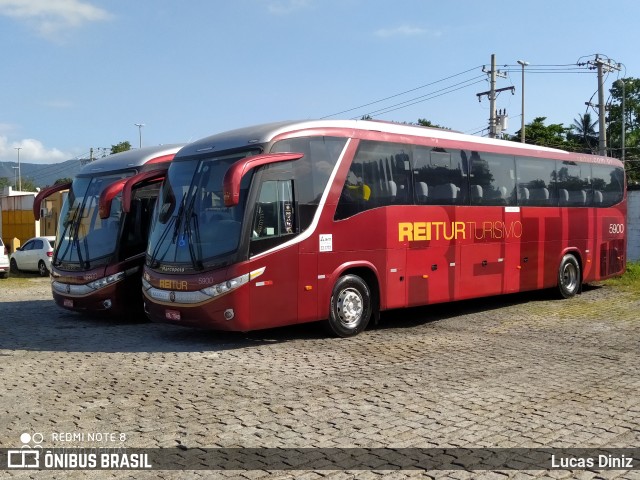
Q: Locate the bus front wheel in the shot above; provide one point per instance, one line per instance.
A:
(350, 308)
(569, 278)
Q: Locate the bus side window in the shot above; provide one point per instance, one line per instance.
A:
(492, 180)
(441, 174)
(608, 185)
(535, 180)
(380, 175)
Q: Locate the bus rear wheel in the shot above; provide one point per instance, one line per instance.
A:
(350, 308)
(569, 278)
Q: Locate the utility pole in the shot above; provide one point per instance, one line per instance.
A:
(139, 125)
(19, 172)
(603, 66)
(522, 136)
(493, 73)
(624, 127)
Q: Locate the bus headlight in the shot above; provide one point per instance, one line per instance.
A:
(225, 287)
(103, 282)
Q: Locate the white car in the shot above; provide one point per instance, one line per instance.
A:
(4, 261)
(35, 255)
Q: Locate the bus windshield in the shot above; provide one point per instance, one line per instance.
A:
(191, 225)
(83, 237)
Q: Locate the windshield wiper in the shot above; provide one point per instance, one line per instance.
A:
(154, 254)
(70, 221)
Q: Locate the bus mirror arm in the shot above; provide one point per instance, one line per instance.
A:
(233, 177)
(107, 195)
(139, 180)
(47, 192)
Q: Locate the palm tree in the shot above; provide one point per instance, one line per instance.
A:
(583, 129)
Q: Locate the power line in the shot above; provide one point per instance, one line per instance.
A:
(429, 96)
(402, 93)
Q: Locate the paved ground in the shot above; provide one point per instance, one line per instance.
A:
(518, 371)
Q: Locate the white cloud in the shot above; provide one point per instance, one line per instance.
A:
(405, 31)
(31, 151)
(52, 17)
(284, 7)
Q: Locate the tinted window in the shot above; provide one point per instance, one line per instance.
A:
(492, 179)
(608, 185)
(574, 184)
(379, 175)
(37, 245)
(28, 245)
(536, 183)
(440, 176)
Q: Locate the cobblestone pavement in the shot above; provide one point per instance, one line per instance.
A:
(522, 370)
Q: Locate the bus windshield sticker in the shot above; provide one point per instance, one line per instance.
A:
(326, 242)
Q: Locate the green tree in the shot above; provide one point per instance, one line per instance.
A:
(120, 147)
(583, 132)
(632, 125)
(28, 185)
(63, 180)
(554, 135)
(423, 122)
(5, 182)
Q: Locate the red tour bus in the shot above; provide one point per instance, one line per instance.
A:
(103, 231)
(338, 220)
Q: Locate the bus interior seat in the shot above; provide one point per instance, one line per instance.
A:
(540, 196)
(563, 196)
(597, 197)
(476, 193)
(523, 196)
(446, 193)
(422, 192)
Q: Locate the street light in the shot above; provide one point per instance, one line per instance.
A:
(15, 177)
(19, 173)
(139, 125)
(524, 64)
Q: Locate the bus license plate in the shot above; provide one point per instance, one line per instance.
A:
(172, 314)
(68, 302)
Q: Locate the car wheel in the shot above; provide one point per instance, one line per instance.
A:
(42, 269)
(13, 266)
(350, 308)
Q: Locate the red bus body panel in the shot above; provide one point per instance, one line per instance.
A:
(418, 255)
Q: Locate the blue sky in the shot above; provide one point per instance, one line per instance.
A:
(78, 74)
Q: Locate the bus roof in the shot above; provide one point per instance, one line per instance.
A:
(130, 158)
(264, 133)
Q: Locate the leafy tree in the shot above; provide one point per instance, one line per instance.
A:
(632, 125)
(423, 122)
(583, 132)
(28, 185)
(120, 147)
(63, 180)
(554, 135)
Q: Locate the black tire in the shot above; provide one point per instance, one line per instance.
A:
(13, 266)
(4, 275)
(42, 269)
(569, 276)
(350, 308)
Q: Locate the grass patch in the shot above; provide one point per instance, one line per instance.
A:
(630, 281)
(18, 279)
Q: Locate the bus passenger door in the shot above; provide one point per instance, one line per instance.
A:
(274, 294)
